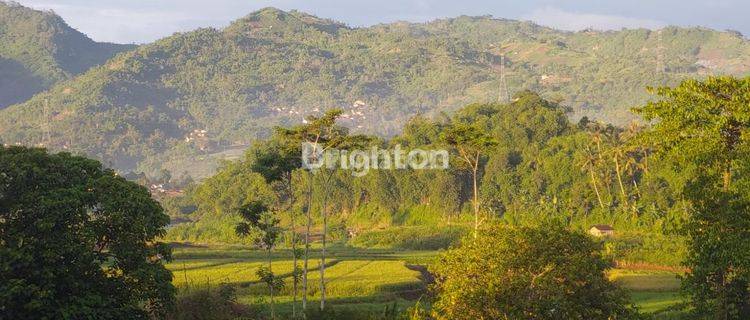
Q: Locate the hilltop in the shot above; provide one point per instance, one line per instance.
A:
(38, 49)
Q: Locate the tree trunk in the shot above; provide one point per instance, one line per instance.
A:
(307, 242)
(270, 285)
(323, 252)
(619, 181)
(637, 190)
(294, 248)
(476, 200)
(596, 189)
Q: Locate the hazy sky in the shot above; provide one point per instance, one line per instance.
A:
(139, 21)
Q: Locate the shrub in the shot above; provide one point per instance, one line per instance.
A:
(527, 273)
(210, 303)
(411, 238)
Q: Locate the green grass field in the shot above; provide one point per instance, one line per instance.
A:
(367, 280)
(654, 292)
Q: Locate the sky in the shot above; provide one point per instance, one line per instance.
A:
(142, 21)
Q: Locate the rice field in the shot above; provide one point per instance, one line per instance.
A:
(366, 280)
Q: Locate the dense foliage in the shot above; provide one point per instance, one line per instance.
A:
(77, 241)
(540, 167)
(527, 273)
(145, 109)
(38, 49)
(707, 123)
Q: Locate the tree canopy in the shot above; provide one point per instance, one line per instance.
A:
(544, 272)
(705, 125)
(78, 241)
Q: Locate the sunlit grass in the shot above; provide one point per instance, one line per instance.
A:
(368, 280)
(637, 280)
(653, 292)
(649, 301)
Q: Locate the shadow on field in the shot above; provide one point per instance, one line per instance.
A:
(208, 266)
(368, 283)
(286, 275)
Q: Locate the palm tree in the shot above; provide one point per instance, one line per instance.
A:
(617, 154)
(589, 164)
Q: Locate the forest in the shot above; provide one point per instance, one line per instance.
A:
(540, 165)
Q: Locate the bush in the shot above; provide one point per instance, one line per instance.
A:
(649, 248)
(527, 273)
(210, 303)
(411, 238)
(420, 215)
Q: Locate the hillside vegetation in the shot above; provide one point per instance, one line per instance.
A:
(543, 167)
(38, 49)
(198, 93)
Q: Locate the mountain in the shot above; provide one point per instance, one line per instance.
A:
(184, 100)
(38, 49)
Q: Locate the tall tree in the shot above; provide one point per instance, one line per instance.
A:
(472, 144)
(589, 164)
(707, 124)
(260, 222)
(321, 134)
(78, 241)
(277, 160)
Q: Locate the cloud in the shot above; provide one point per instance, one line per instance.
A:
(125, 24)
(573, 21)
(128, 21)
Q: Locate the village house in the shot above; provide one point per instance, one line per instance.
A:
(602, 230)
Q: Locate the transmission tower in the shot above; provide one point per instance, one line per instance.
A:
(46, 141)
(659, 53)
(503, 96)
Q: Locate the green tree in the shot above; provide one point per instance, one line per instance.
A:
(276, 160)
(261, 224)
(321, 134)
(78, 241)
(527, 273)
(471, 144)
(705, 124)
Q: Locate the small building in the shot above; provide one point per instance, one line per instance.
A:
(602, 230)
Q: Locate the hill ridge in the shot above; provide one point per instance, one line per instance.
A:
(38, 48)
(145, 109)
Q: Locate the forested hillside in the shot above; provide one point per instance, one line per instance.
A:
(38, 49)
(199, 93)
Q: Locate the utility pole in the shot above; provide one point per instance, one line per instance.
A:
(503, 96)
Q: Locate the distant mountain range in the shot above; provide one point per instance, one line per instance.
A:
(176, 100)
